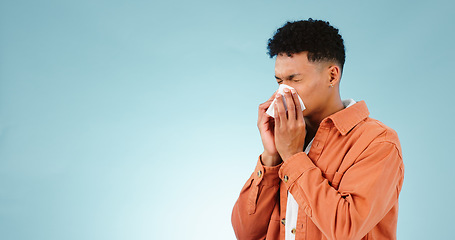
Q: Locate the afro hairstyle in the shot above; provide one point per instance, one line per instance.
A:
(317, 37)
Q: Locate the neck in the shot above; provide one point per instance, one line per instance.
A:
(312, 122)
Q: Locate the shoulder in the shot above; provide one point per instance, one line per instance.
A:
(376, 132)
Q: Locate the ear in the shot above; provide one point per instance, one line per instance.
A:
(334, 74)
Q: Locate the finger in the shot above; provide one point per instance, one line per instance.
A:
(277, 116)
(299, 111)
(270, 100)
(263, 119)
(280, 108)
(290, 104)
(273, 96)
(262, 110)
(264, 106)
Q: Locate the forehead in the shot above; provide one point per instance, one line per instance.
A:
(297, 63)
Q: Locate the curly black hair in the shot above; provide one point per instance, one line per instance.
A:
(322, 41)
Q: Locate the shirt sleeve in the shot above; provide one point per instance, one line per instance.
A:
(257, 201)
(366, 193)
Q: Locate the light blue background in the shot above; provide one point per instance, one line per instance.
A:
(137, 119)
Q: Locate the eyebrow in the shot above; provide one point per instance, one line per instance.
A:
(289, 77)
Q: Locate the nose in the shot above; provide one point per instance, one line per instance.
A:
(288, 82)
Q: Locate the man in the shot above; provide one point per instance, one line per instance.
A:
(329, 171)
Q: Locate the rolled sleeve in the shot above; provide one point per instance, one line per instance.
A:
(294, 167)
(265, 175)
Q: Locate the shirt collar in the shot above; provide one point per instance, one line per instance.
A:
(347, 118)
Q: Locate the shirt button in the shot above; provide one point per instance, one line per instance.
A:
(286, 178)
(259, 173)
(283, 221)
(293, 231)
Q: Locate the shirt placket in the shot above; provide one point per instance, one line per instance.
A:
(320, 140)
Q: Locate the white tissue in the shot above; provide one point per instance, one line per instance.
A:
(270, 111)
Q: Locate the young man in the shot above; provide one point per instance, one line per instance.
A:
(329, 171)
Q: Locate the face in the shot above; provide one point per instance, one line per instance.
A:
(310, 79)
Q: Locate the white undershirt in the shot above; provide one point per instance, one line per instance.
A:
(292, 208)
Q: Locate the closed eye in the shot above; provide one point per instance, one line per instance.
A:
(294, 80)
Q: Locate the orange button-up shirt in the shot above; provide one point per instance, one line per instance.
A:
(347, 186)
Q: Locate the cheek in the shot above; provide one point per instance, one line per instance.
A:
(306, 91)
(306, 97)
(310, 94)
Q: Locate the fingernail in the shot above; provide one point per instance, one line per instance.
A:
(277, 95)
(293, 90)
(286, 90)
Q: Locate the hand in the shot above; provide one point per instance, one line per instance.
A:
(266, 125)
(290, 129)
